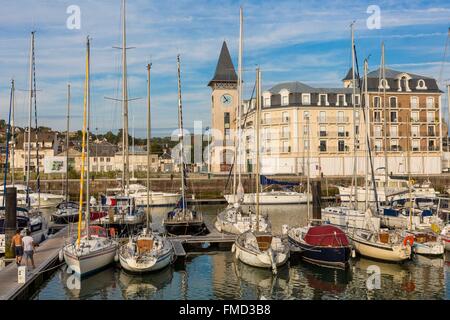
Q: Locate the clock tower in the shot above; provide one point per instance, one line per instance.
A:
(224, 99)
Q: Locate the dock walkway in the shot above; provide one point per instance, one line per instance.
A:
(45, 258)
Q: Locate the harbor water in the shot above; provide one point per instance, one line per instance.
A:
(218, 275)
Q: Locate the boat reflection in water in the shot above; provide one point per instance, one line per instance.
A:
(309, 281)
(98, 286)
(263, 282)
(143, 286)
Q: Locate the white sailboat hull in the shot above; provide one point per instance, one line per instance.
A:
(85, 263)
(261, 260)
(348, 218)
(132, 265)
(394, 254)
(346, 194)
(429, 248)
(265, 198)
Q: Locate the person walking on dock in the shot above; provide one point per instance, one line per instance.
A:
(28, 247)
(16, 242)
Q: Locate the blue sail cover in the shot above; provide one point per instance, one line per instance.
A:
(266, 181)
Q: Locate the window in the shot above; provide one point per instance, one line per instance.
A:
(421, 85)
(323, 100)
(285, 116)
(414, 102)
(394, 145)
(305, 130)
(394, 116)
(430, 102)
(286, 147)
(393, 102)
(305, 144)
(377, 131)
(341, 145)
(356, 129)
(393, 131)
(414, 116)
(95, 159)
(284, 100)
(323, 146)
(322, 116)
(306, 115)
(431, 131)
(102, 159)
(266, 118)
(341, 132)
(415, 131)
(341, 100)
(266, 133)
(431, 146)
(267, 102)
(430, 116)
(357, 99)
(323, 131)
(306, 98)
(376, 102)
(285, 132)
(226, 119)
(108, 159)
(378, 145)
(341, 116)
(377, 116)
(416, 145)
(383, 84)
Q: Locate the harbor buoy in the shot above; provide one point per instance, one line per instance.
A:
(61, 256)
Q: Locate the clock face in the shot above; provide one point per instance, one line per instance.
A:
(226, 99)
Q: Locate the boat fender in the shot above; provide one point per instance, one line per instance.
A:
(233, 248)
(61, 256)
(353, 253)
(116, 257)
(408, 240)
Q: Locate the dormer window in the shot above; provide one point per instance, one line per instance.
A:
(341, 100)
(403, 82)
(421, 85)
(383, 84)
(267, 99)
(306, 99)
(323, 100)
(266, 102)
(284, 97)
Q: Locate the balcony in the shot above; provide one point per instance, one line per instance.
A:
(433, 148)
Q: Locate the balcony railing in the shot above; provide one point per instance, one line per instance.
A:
(333, 119)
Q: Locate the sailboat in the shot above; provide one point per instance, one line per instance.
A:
(324, 245)
(123, 214)
(67, 211)
(371, 241)
(233, 219)
(182, 220)
(351, 216)
(147, 251)
(93, 249)
(256, 248)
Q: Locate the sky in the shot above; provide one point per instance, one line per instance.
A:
(307, 41)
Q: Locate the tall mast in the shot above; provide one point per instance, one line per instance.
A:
(8, 135)
(385, 112)
(28, 163)
(258, 107)
(355, 139)
(308, 184)
(67, 143)
(83, 144)
(88, 115)
(239, 106)
(367, 122)
(13, 140)
(411, 205)
(181, 136)
(125, 173)
(149, 66)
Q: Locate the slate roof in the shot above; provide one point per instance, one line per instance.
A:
(225, 71)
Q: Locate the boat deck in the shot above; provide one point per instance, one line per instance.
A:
(45, 260)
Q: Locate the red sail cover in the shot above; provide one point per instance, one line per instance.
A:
(326, 236)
